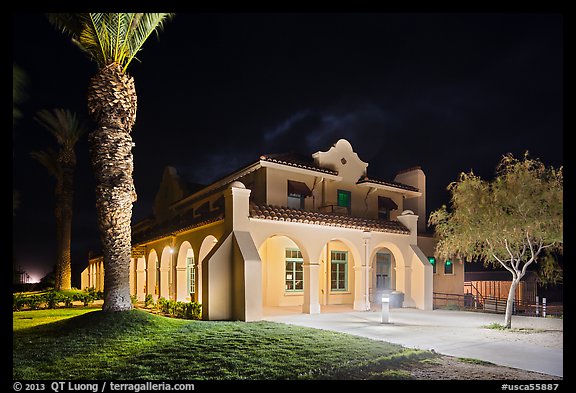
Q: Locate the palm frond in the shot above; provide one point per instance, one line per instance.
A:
(146, 24)
(109, 37)
(63, 124)
(19, 82)
(49, 159)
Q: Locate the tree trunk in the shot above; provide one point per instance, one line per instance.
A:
(112, 103)
(59, 230)
(510, 303)
(112, 161)
(63, 266)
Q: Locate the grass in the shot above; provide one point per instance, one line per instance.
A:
(474, 361)
(498, 326)
(81, 343)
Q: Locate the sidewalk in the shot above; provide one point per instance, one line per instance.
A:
(455, 333)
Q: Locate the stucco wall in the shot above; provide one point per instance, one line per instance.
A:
(277, 187)
(443, 283)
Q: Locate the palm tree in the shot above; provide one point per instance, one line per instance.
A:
(67, 129)
(112, 41)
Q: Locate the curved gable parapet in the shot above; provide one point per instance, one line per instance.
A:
(342, 158)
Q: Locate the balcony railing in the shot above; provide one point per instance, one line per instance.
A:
(333, 209)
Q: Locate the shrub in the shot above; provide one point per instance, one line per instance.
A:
(192, 310)
(163, 305)
(149, 301)
(173, 307)
(87, 297)
(67, 299)
(35, 302)
(52, 298)
(134, 299)
(18, 302)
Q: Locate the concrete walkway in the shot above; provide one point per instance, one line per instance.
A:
(455, 333)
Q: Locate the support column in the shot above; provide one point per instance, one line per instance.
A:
(132, 276)
(140, 283)
(101, 274)
(164, 282)
(359, 286)
(311, 302)
(182, 283)
(362, 277)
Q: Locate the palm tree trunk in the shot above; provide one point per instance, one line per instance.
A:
(59, 230)
(112, 162)
(63, 267)
(112, 102)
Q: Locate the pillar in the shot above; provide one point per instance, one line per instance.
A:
(182, 283)
(311, 301)
(140, 281)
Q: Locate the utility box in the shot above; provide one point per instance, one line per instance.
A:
(396, 299)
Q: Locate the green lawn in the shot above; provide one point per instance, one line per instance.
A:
(83, 343)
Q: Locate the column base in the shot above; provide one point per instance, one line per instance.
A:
(311, 308)
(361, 306)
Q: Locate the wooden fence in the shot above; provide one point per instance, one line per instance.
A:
(493, 304)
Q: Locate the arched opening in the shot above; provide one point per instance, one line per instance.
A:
(153, 275)
(186, 274)
(207, 245)
(337, 278)
(283, 262)
(383, 277)
(166, 289)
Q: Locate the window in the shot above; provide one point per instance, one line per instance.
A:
(294, 270)
(295, 201)
(385, 205)
(339, 270)
(433, 262)
(297, 193)
(191, 270)
(383, 270)
(448, 267)
(157, 277)
(344, 199)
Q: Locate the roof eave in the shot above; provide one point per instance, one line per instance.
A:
(295, 169)
(379, 186)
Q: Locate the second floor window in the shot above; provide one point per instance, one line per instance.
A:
(385, 206)
(297, 193)
(344, 199)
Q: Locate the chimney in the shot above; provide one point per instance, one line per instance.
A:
(415, 177)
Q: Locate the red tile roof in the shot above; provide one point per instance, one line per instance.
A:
(286, 214)
(291, 159)
(388, 183)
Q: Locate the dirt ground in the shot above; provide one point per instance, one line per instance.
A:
(451, 368)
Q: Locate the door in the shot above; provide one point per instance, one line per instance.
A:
(383, 270)
(382, 276)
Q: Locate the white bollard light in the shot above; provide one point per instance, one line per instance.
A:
(385, 309)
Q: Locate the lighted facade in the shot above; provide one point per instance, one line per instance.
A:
(285, 231)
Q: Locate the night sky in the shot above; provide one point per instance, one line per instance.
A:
(448, 92)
